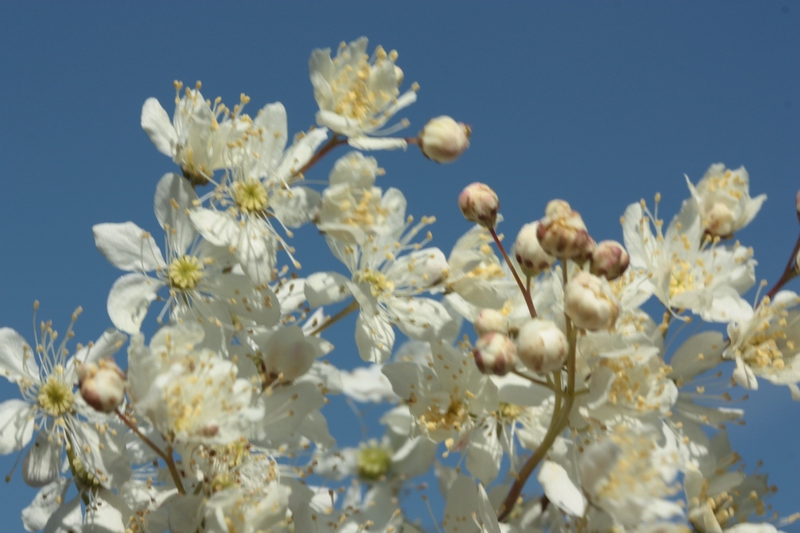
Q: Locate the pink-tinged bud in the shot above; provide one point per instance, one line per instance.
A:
(495, 354)
(443, 139)
(479, 204)
(563, 234)
(491, 320)
(797, 205)
(102, 385)
(609, 259)
(529, 253)
(590, 303)
(797, 262)
(542, 346)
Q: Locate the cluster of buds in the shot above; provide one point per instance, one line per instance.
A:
(443, 139)
(563, 234)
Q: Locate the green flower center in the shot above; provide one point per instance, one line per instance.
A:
(374, 462)
(250, 196)
(55, 398)
(185, 273)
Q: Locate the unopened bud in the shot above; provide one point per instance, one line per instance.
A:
(590, 303)
(542, 346)
(287, 354)
(102, 385)
(797, 205)
(609, 259)
(479, 204)
(495, 354)
(529, 253)
(491, 320)
(563, 234)
(443, 139)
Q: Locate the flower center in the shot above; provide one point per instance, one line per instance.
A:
(380, 286)
(374, 462)
(55, 398)
(682, 278)
(185, 273)
(352, 88)
(453, 418)
(250, 196)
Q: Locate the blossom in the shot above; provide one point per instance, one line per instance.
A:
(196, 138)
(256, 188)
(723, 200)
(684, 271)
(357, 94)
(47, 380)
(767, 345)
(385, 283)
(196, 273)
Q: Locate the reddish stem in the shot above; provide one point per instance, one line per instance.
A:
(525, 293)
(788, 273)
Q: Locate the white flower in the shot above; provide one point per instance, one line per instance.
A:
(385, 285)
(684, 271)
(256, 188)
(47, 380)
(358, 95)
(723, 200)
(192, 396)
(767, 345)
(196, 139)
(450, 399)
(195, 272)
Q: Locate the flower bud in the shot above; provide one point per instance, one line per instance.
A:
(563, 234)
(288, 354)
(479, 204)
(443, 139)
(529, 253)
(589, 302)
(542, 346)
(609, 260)
(102, 385)
(491, 320)
(495, 353)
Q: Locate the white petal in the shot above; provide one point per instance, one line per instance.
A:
(560, 489)
(36, 515)
(300, 153)
(325, 288)
(256, 251)
(744, 376)
(66, 519)
(16, 357)
(109, 514)
(296, 206)
(220, 229)
(423, 319)
(128, 247)
(377, 143)
(16, 425)
(272, 118)
(129, 299)
(43, 461)
(484, 454)
(174, 217)
(105, 347)
(374, 338)
(158, 126)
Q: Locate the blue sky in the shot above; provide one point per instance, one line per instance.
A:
(597, 103)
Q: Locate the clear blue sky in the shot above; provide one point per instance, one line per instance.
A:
(597, 103)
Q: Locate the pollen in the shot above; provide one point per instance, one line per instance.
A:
(250, 196)
(55, 397)
(185, 273)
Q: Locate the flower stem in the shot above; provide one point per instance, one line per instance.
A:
(558, 423)
(525, 293)
(330, 145)
(788, 273)
(352, 306)
(534, 380)
(166, 456)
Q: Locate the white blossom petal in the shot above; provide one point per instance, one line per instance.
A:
(374, 338)
(325, 288)
(174, 217)
(560, 489)
(16, 357)
(158, 126)
(129, 299)
(128, 247)
(16, 425)
(42, 463)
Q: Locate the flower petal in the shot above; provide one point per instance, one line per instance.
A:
(16, 357)
(157, 125)
(129, 299)
(43, 461)
(374, 338)
(560, 489)
(16, 425)
(325, 288)
(174, 197)
(377, 143)
(128, 247)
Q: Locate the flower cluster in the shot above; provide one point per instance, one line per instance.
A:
(218, 422)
